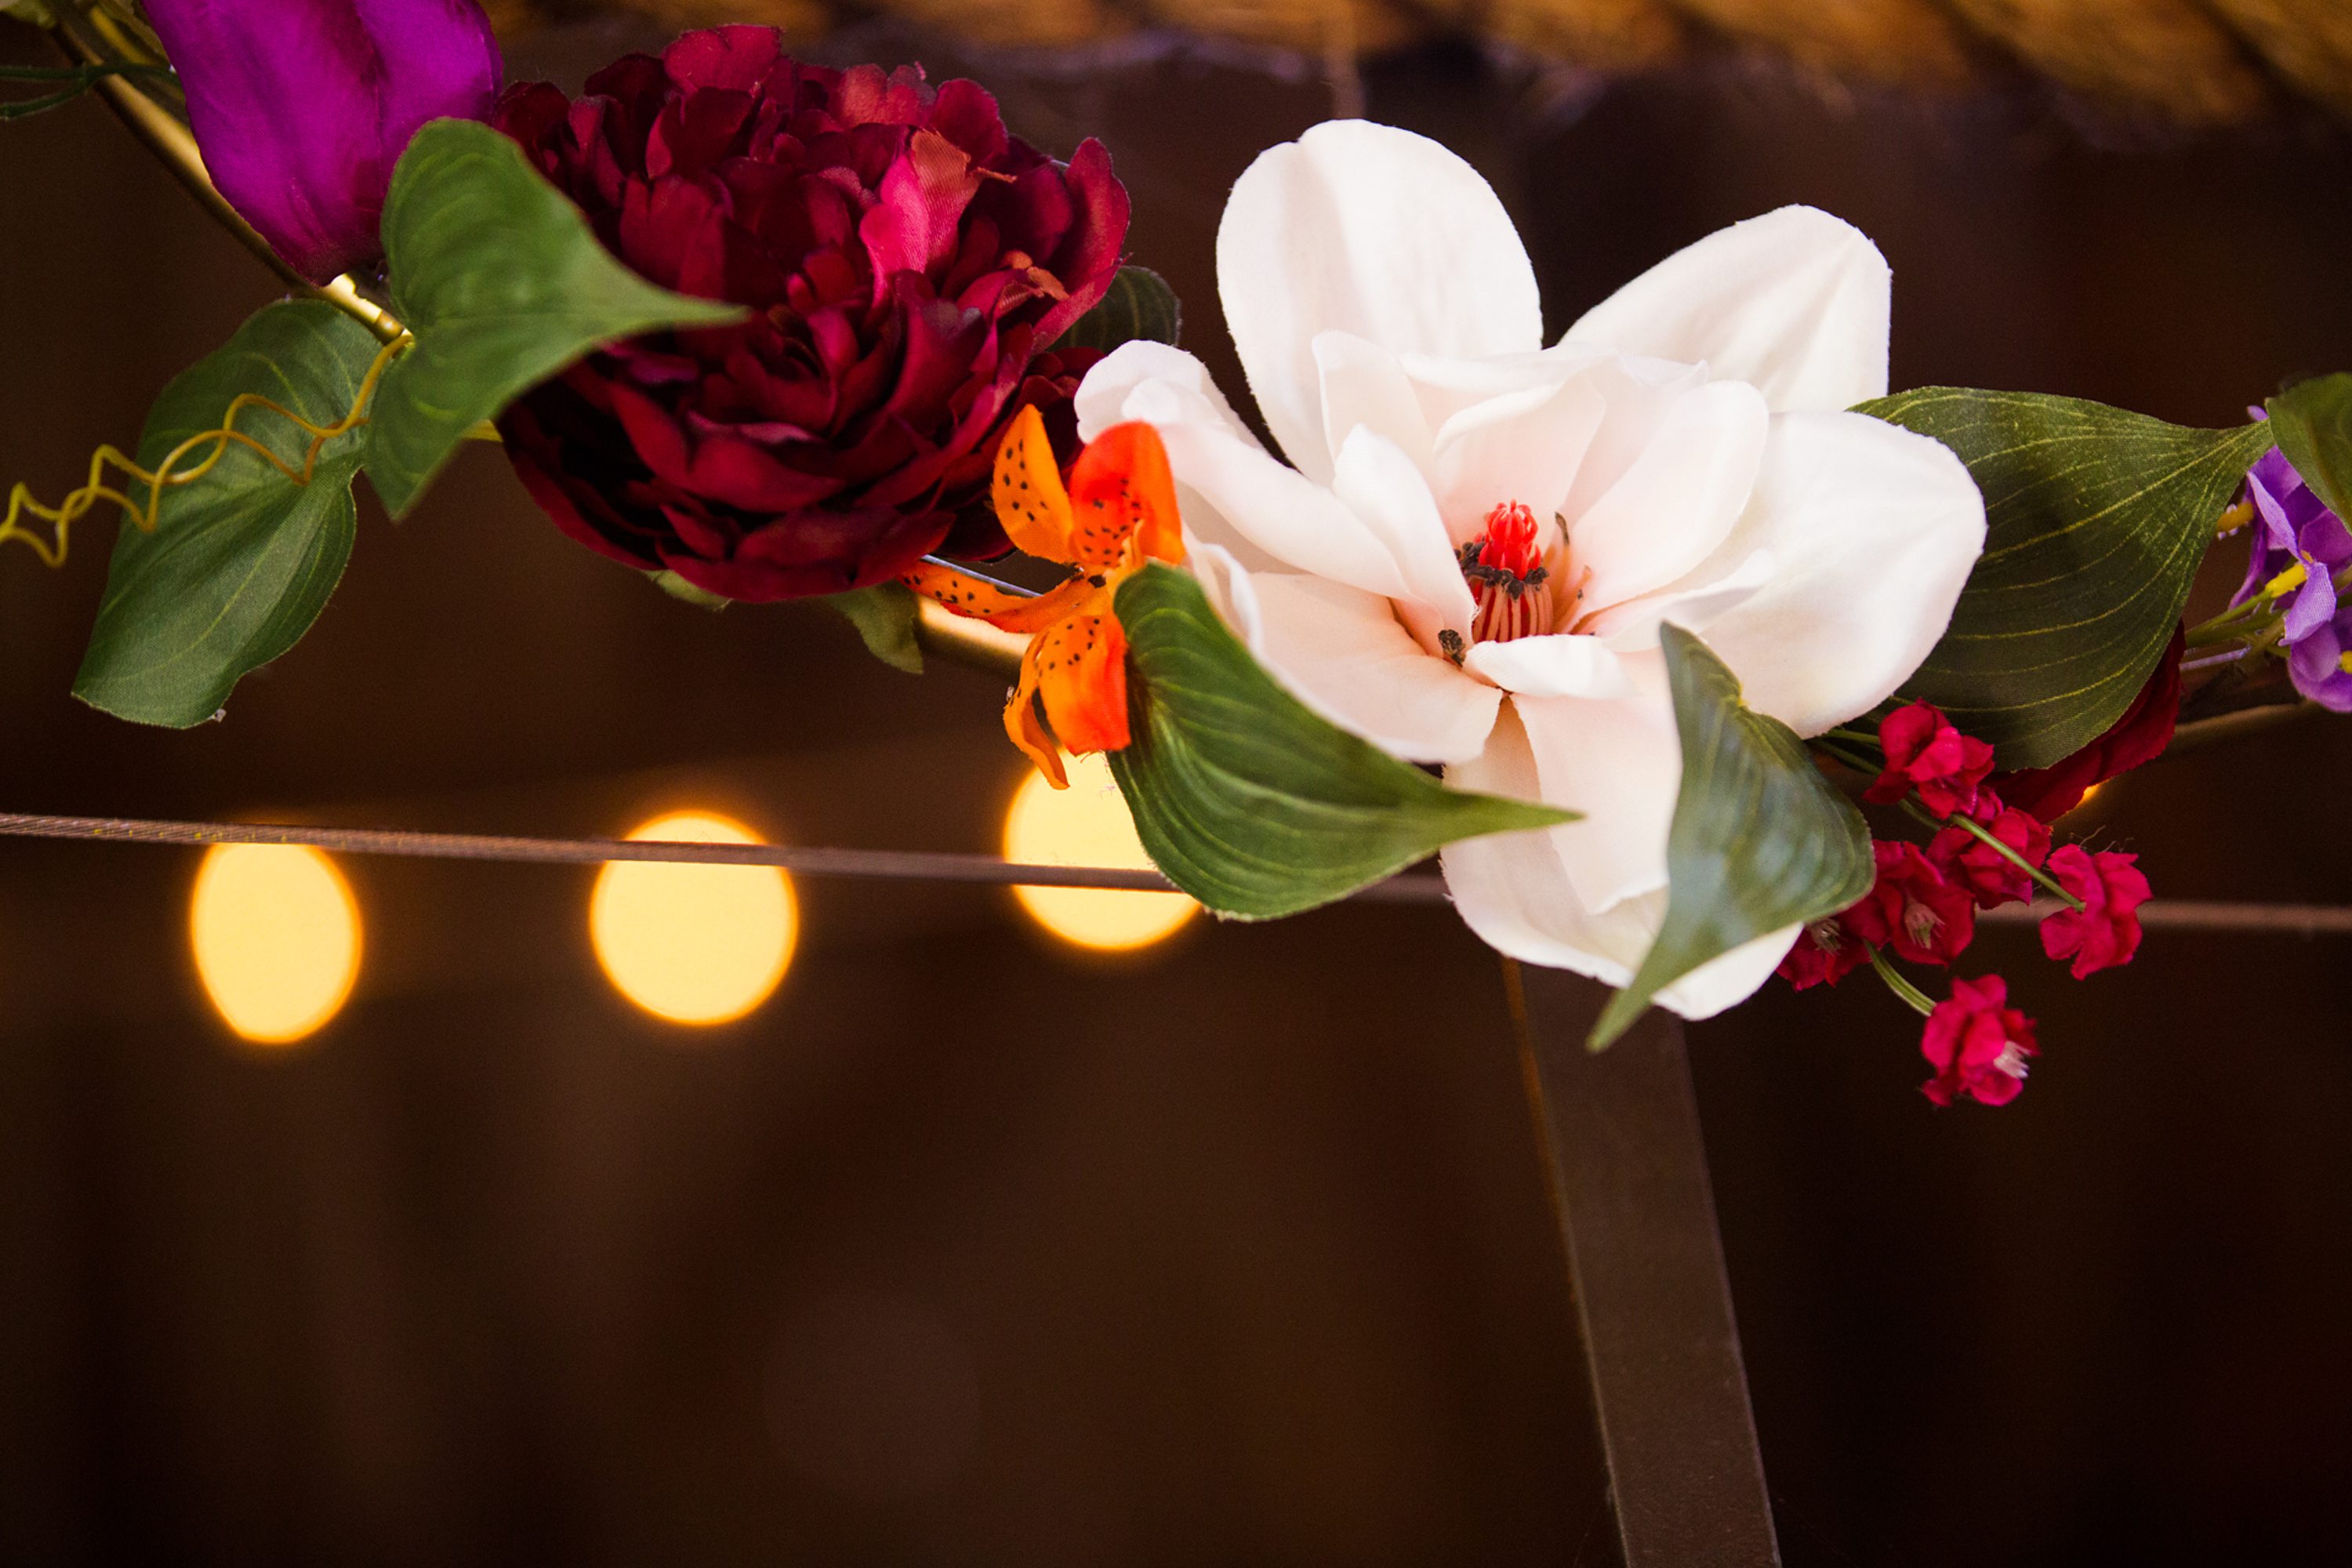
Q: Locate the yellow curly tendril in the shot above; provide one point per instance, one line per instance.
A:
(168, 473)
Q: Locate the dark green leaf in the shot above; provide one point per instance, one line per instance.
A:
(241, 561)
(1760, 841)
(1244, 798)
(1139, 305)
(2312, 423)
(2097, 521)
(885, 616)
(504, 284)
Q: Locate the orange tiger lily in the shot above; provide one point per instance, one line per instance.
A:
(1118, 511)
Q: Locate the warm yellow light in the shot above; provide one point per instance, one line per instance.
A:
(1087, 825)
(695, 944)
(276, 938)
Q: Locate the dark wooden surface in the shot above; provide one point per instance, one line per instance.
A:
(1627, 1165)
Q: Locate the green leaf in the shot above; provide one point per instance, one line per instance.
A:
(1139, 304)
(1244, 798)
(503, 284)
(686, 593)
(2312, 423)
(2097, 521)
(885, 616)
(241, 561)
(1760, 841)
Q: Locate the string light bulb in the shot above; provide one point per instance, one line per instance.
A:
(694, 944)
(1087, 825)
(275, 934)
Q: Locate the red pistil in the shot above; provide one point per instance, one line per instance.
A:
(1505, 565)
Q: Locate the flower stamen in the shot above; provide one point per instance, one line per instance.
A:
(1506, 571)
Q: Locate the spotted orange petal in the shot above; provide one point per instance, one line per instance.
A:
(1082, 676)
(1027, 730)
(1031, 504)
(1121, 489)
(982, 600)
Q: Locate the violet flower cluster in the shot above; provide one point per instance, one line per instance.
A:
(2299, 546)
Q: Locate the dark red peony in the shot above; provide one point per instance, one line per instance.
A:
(908, 262)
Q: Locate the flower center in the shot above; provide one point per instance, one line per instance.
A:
(1507, 574)
(1920, 920)
(2011, 1060)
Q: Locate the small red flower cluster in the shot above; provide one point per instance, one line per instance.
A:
(1923, 906)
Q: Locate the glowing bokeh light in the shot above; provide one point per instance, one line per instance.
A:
(276, 938)
(694, 944)
(1087, 825)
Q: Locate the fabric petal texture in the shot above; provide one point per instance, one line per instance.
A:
(1370, 230)
(302, 107)
(1339, 650)
(1872, 533)
(1795, 302)
(907, 264)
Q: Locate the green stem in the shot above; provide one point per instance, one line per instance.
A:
(1918, 1000)
(1862, 765)
(1985, 835)
(83, 74)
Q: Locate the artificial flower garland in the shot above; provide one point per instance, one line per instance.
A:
(1664, 600)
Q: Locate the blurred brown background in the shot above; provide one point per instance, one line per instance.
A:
(965, 1250)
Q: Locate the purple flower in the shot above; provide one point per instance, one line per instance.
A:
(2297, 538)
(302, 107)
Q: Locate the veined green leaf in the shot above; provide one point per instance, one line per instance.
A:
(1139, 304)
(1245, 799)
(2097, 518)
(1760, 841)
(2312, 423)
(503, 283)
(242, 559)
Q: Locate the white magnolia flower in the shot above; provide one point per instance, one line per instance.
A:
(1468, 556)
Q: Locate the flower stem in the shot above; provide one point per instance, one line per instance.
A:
(1985, 835)
(1862, 765)
(1915, 999)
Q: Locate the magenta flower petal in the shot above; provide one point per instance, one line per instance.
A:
(302, 107)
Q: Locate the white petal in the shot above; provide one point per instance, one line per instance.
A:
(1873, 531)
(1510, 887)
(1677, 501)
(1170, 391)
(1694, 603)
(1521, 447)
(1228, 587)
(1513, 892)
(1447, 387)
(1794, 302)
(1733, 977)
(1620, 762)
(1342, 653)
(1366, 229)
(1276, 509)
(1382, 486)
(1364, 386)
(1551, 667)
(1637, 393)
(1183, 393)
